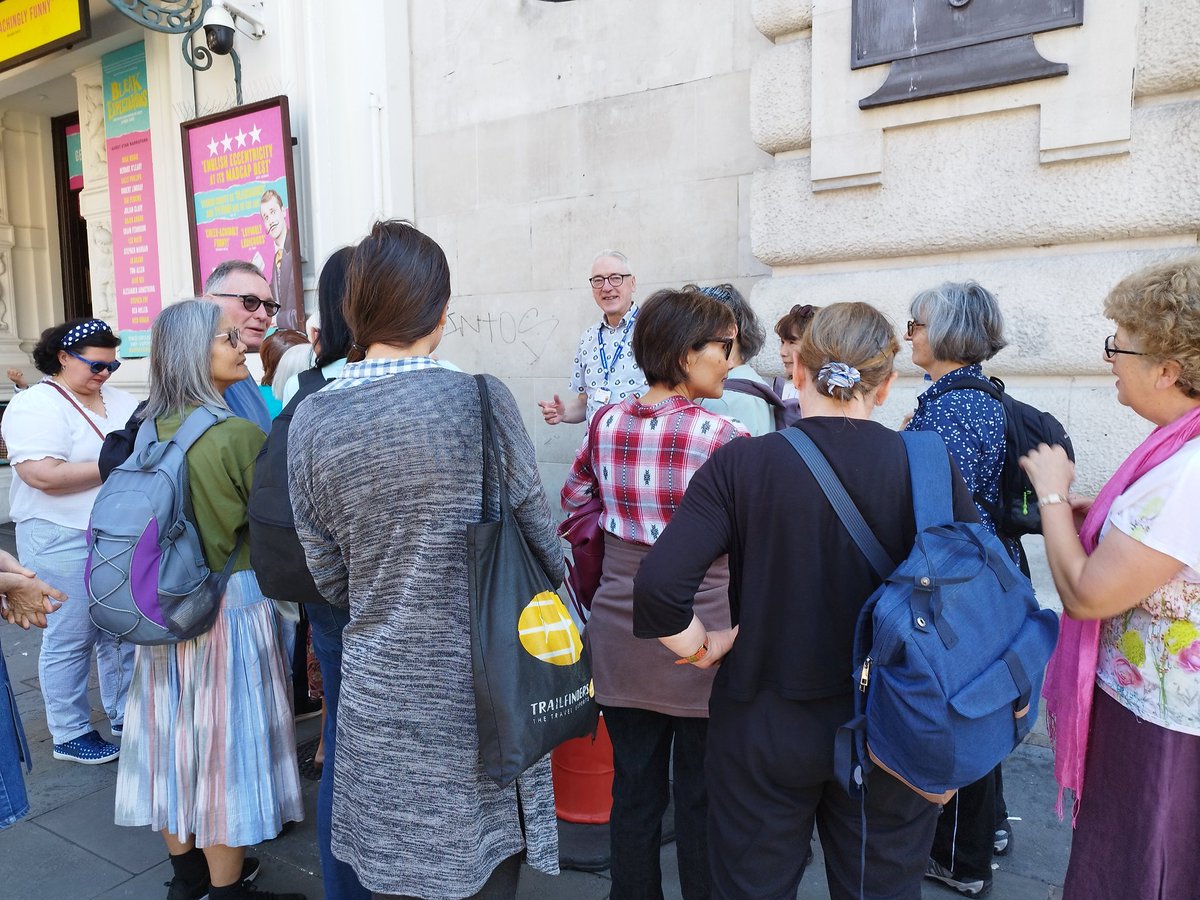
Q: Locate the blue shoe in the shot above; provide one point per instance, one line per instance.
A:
(89, 749)
(117, 730)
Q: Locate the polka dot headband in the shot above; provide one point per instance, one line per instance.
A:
(83, 330)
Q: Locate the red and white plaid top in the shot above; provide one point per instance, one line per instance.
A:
(645, 456)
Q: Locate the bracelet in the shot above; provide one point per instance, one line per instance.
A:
(1051, 499)
(695, 657)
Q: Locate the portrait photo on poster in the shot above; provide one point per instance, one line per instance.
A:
(242, 199)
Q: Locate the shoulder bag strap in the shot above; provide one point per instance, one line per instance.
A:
(492, 442)
(832, 486)
(592, 426)
(929, 469)
(71, 400)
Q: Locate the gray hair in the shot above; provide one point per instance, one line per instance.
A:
(963, 322)
(181, 358)
(751, 335)
(615, 254)
(294, 361)
(216, 279)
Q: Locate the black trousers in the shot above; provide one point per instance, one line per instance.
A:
(770, 776)
(502, 885)
(966, 831)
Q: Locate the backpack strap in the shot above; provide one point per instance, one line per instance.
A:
(835, 491)
(929, 471)
(754, 389)
(993, 387)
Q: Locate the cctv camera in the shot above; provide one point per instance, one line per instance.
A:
(218, 30)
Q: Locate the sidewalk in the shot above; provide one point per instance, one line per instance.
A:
(69, 849)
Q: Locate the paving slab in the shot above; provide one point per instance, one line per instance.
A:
(88, 823)
(37, 863)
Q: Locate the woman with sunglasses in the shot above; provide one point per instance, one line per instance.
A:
(646, 451)
(1121, 689)
(54, 431)
(210, 750)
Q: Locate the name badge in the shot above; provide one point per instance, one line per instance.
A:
(601, 395)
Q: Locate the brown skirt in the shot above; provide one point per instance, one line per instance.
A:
(629, 671)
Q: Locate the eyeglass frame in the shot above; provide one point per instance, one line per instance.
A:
(233, 335)
(1110, 352)
(913, 325)
(618, 276)
(251, 303)
(95, 365)
(726, 342)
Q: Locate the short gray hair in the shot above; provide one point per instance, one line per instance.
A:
(181, 358)
(963, 322)
(615, 254)
(216, 279)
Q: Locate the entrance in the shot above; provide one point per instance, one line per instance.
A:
(72, 227)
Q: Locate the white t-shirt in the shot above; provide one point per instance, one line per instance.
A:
(41, 423)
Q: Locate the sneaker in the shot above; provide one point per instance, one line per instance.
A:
(117, 730)
(250, 891)
(978, 887)
(182, 890)
(307, 708)
(1004, 837)
(89, 749)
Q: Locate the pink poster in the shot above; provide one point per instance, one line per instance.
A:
(238, 168)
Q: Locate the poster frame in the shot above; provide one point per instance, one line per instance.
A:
(83, 33)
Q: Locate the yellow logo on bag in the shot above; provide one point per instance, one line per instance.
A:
(547, 631)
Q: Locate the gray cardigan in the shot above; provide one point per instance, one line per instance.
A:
(385, 477)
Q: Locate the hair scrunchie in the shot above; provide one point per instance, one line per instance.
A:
(83, 330)
(838, 375)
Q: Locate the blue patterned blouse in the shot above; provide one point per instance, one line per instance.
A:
(972, 425)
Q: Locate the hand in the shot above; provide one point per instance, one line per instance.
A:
(552, 410)
(10, 564)
(17, 377)
(904, 422)
(1049, 470)
(1080, 505)
(719, 644)
(28, 600)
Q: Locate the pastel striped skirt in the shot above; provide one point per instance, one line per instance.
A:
(209, 747)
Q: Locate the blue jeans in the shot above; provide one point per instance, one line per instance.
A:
(58, 555)
(13, 749)
(326, 624)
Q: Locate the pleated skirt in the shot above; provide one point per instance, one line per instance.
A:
(209, 747)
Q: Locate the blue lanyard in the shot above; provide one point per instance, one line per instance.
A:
(604, 366)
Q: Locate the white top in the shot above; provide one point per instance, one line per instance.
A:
(1150, 655)
(744, 409)
(40, 423)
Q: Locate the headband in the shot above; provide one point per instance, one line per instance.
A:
(718, 293)
(838, 375)
(83, 330)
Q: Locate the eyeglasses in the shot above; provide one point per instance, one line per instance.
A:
(252, 303)
(96, 367)
(726, 343)
(616, 280)
(1111, 350)
(233, 335)
(913, 325)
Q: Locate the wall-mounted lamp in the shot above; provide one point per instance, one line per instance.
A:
(222, 21)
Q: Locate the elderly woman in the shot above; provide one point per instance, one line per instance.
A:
(1128, 657)
(954, 328)
(414, 813)
(54, 431)
(209, 750)
(747, 397)
(783, 688)
(646, 451)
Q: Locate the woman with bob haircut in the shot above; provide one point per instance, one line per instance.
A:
(745, 397)
(209, 754)
(798, 583)
(414, 813)
(954, 328)
(1122, 685)
(54, 431)
(646, 451)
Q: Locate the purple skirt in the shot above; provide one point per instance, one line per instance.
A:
(1139, 819)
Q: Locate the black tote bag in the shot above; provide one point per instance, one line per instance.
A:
(533, 686)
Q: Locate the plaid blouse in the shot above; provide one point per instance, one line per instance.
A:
(645, 456)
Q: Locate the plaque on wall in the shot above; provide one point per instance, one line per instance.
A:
(939, 47)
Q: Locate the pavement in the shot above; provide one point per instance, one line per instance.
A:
(69, 849)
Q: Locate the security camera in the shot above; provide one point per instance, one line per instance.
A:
(218, 30)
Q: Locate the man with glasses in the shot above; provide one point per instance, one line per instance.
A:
(605, 370)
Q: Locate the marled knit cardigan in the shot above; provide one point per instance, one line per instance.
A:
(385, 477)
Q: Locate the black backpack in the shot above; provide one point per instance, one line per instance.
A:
(275, 551)
(1024, 428)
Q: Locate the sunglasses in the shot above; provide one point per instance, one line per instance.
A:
(233, 335)
(252, 303)
(96, 367)
(913, 325)
(726, 343)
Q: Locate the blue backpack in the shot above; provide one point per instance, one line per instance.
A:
(146, 576)
(949, 652)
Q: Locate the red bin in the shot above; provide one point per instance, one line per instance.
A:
(583, 778)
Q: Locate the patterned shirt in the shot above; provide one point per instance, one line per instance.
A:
(972, 425)
(1150, 655)
(614, 370)
(361, 372)
(646, 456)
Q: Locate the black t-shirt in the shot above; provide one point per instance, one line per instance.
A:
(797, 579)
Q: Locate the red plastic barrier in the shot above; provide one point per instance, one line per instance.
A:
(583, 777)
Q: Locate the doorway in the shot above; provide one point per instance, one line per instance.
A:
(72, 227)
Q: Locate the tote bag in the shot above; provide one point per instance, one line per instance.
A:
(533, 686)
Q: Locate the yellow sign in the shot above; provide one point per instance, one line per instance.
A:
(33, 28)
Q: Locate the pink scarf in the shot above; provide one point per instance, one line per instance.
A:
(1071, 674)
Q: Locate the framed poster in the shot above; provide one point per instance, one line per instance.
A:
(237, 168)
(32, 28)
